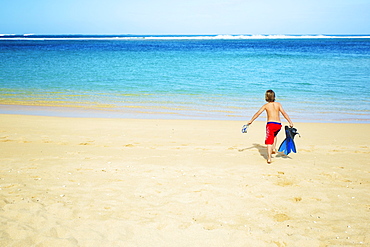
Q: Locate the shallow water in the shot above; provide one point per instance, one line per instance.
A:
(319, 80)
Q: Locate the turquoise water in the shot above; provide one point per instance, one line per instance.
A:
(316, 79)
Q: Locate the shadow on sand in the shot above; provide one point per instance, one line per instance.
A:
(262, 149)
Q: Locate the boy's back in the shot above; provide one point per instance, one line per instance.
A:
(273, 109)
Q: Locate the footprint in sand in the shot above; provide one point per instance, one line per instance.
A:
(281, 217)
(129, 145)
(6, 140)
(86, 143)
(24, 142)
(284, 182)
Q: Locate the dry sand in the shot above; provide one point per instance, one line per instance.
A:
(124, 182)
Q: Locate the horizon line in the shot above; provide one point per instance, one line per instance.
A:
(185, 34)
(34, 36)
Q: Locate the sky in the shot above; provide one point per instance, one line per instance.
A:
(155, 17)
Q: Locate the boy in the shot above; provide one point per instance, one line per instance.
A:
(273, 125)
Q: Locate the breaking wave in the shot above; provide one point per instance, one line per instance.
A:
(170, 37)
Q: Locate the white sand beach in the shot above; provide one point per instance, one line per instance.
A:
(127, 182)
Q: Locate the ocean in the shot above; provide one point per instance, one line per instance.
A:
(316, 78)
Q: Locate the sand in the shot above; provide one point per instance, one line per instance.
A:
(126, 182)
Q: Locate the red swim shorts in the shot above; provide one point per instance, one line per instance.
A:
(272, 129)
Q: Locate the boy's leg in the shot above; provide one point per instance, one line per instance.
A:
(274, 146)
(271, 149)
(269, 153)
(272, 130)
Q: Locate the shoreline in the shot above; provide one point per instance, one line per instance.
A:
(161, 182)
(147, 113)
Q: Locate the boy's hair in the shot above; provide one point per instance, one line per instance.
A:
(270, 96)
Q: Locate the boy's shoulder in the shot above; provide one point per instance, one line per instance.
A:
(275, 103)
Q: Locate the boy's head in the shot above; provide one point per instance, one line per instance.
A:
(270, 96)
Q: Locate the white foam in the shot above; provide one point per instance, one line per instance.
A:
(200, 37)
(5, 34)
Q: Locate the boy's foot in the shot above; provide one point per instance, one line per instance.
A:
(268, 161)
(274, 152)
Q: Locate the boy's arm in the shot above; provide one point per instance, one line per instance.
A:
(257, 114)
(286, 116)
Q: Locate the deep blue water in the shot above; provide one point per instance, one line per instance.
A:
(324, 80)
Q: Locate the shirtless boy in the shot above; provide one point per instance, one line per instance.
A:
(273, 125)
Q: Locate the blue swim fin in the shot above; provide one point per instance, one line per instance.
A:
(284, 146)
(291, 146)
(288, 145)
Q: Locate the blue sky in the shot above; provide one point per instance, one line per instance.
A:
(185, 16)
